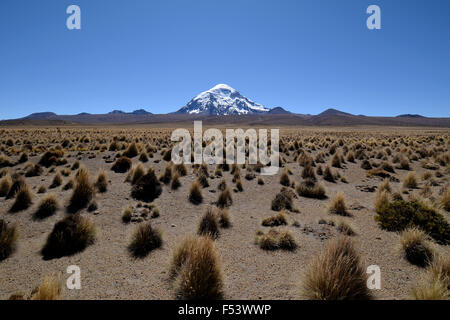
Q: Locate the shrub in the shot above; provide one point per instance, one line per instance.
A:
(308, 171)
(311, 189)
(345, 228)
(69, 185)
(336, 274)
(436, 283)
(147, 188)
(5, 185)
(203, 180)
(328, 174)
(224, 218)
(167, 175)
(131, 151)
(127, 214)
(50, 289)
(52, 158)
(283, 200)
(181, 169)
(123, 164)
(8, 239)
(145, 239)
(69, 236)
(446, 199)
(284, 179)
(336, 161)
(410, 181)
(415, 247)
(208, 225)
(387, 167)
(224, 199)
(102, 182)
(239, 185)
(83, 192)
(260, 181)
(196, 270)
(276, 220)
(136, 173)
(366, 165)
(400, 214)
(175, 181)
(18, 182)
(143, 157)
(23, 199)
(274, 240)
(338, 205)
(381, 201)
(195, 193)
(57, 181)
(33, 170)
(47, 207)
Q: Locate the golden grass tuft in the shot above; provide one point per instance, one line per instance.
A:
(24, 199)
(410, 181)
(195, 193)
(338, 205)
(415, 247)
(83, 192)
(47, 207)
(145, 239)
(8, 239)
(336, 274)
(50, 289)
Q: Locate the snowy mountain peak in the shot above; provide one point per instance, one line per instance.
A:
(222, 100)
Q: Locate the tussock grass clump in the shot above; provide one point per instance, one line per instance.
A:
(52, 158)
(181, 169)
(196, 270)
(283, 200)
(50, 289)
(121, 165)
(175, 184)
(143, 157)
(276, 220)
(415, 247)
(166, 176)
(381, 201)
(311, 189)
(69, 184)
(69, 236)
(345, 228)
(132, 151)
(18, 182)
(24, 199)
(195, 193)
(5, 185)
(366, 165)
(410, 181)
(83, 192)
(336, 274)
(338, 205)
(203, 180)
(399, 215)
(328, 175)
(435, 285)
(57, 181)
(274, 240)
(239, 186)
(224, 219)
(8, 239)
(127, 214)
(147, 188)
(225, 199)
(208, 225)
(102, 182)
(336, 161)
(33, 170)
(384, 186)
(308, 171)
(446, 199)
(284, 179)
(136, 173)
(47, 207)
(145, 239)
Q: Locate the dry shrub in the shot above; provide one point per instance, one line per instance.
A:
(175, 181)
(132, 151)
(167, 175)
(5, 185)
(69, 236)
(338, 205)
(274, 240)
(145, 239)
(127, 214)
(52, 158)
(283, 200)
(181, 169)
(446, 199)
(384, 186)
(208, 225)
(415, 247)
(123, 164)
(275, 220)
(196, 270)
(147, 188)
(311, 189)
(225, 199)
(328, 174)
(50, 289)
(224, 218)
(24, 198)
(102, 182)
(410, 181)
(136, 173)
(381, 201)
(195, 193)
(435, 285)
(239, 185)
(336, 161)
(284, 179)
(345, 228)
(57, 181)
(336, 274)
(18, 182)
(83, 192)
(8, 239)
(308, 171)
(47, 207)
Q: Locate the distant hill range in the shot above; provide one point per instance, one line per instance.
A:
(224, 105)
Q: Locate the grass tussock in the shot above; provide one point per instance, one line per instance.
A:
(23, 200)
(208, 225)
(145, 239)
(122, 165)
(196, 270)
(435, 285)
(224, 218)
(50, 289)
(224, 200)
(446, 199)
(338, 205)
(8, 239)
(195, 193)
(83, 192)
(283, 200)
(336, 274)
(311, 189)
(415, 247)
(47, 207)
(276, 240)
(410, 181)
(101, 184)
(275, 220)
(147, 188)
(69, 236)
(5, 185)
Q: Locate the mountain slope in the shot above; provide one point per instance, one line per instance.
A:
(222, 100)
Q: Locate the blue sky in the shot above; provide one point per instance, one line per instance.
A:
(305, 56)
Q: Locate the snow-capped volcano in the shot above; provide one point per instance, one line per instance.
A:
(222, 100)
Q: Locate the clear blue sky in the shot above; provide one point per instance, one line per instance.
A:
(305, 56)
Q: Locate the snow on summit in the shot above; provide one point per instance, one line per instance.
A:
(222, 100)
